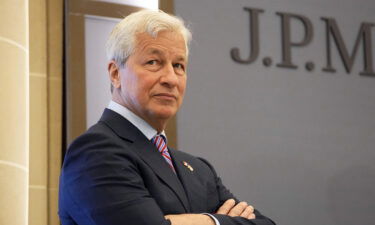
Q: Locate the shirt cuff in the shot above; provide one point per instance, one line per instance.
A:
(213, 218)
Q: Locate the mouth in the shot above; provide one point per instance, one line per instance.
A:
(166, 96)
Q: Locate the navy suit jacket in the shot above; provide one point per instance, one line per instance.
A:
(113, 175)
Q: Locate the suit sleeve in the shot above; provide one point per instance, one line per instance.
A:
(101, 184)
(225, 194)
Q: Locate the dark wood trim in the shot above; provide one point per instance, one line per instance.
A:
(171, 131)
(106, 9)
(75, 77)
(167, 6)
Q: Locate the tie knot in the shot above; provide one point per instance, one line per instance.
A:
(160, 142)
(159, 136)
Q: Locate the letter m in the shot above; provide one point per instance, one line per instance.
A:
(347, 58)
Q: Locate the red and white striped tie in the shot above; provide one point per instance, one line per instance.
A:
(160, 143)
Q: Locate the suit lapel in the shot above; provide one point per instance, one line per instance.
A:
(147, 151)
(194, 188)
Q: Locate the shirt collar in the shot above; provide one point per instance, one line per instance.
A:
(137, 121)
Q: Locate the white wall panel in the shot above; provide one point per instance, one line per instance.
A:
(97, 30)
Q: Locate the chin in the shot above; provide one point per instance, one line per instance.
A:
(165, 113)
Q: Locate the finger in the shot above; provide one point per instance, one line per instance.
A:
(238, 209)
(248, 210)
(251, 216)
(226, 207)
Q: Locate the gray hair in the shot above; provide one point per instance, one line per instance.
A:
(122, 40)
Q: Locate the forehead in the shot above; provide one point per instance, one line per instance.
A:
(166, 42)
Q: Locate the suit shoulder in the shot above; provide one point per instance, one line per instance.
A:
(97, 134)
(99, 129)
(97, 143)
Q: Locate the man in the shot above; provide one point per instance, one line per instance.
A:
(121, 171)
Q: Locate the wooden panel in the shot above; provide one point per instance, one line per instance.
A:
(167, 6)
(101, 8)
(75, 77)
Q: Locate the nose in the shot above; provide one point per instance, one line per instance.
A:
(169, 77)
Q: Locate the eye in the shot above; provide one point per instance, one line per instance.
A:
(179, 66)
(152, 62)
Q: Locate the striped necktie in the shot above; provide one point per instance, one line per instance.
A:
(160, 143)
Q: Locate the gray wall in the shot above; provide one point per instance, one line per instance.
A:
(298, 145)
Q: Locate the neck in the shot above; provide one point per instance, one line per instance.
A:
(159, 124)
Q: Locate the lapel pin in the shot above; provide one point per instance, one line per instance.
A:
(188, 166)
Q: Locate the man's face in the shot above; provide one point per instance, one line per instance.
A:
(153, 79)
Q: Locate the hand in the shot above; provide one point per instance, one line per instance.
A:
(190, 219)
(242, 209)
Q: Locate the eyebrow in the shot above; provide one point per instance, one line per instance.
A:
(155, 51)
(181, 58)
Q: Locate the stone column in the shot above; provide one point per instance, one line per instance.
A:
(14, 104)
(38, 154)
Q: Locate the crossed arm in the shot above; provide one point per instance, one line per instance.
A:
(101, 186)
(229, 208)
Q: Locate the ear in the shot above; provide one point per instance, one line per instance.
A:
(114, 74)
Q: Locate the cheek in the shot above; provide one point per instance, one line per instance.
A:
(131, 83)
(129, 89)
(142, 89)
(182, 86)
